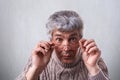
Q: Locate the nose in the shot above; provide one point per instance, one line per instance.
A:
(66, 48)
(66, 45)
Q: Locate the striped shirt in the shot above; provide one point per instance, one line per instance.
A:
(55, 70)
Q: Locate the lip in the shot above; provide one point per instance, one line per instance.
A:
(67, 57)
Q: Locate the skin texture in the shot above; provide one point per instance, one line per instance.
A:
(65, 45)
(90, 55)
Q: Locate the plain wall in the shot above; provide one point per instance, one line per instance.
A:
(22, 25)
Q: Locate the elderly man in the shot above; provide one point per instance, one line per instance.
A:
(67, 56)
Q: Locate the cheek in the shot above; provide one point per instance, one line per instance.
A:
(75, 46)
(58, 48)
(58, 51)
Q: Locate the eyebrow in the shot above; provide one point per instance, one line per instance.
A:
(58, 35)
(74, 34)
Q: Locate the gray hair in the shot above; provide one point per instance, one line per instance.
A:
(64, 21)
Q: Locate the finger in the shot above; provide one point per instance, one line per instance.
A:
(44, 45)
(48, 45)
(39, 50)
(51, 44)
(93, 49)
(90, 45)
(85, 55)
(81, 42)
(81, 46)
(87, 42)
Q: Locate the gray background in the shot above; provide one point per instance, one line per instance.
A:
(22, 25)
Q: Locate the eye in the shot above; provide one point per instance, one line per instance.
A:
(73, 39)
(59, 39)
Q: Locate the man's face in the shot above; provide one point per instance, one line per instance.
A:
(66, 45)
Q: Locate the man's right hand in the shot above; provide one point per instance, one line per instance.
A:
(40, 57)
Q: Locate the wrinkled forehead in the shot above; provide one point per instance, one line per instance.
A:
(58, 32)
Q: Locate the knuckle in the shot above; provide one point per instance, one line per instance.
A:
(34, 52)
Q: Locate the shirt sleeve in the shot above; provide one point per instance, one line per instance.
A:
(102, 74)
(22, 76)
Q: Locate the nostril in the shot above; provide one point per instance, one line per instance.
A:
(66, 48)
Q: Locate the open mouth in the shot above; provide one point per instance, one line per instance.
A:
(67, 57)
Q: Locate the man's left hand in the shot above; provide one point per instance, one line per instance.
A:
(90, 55)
